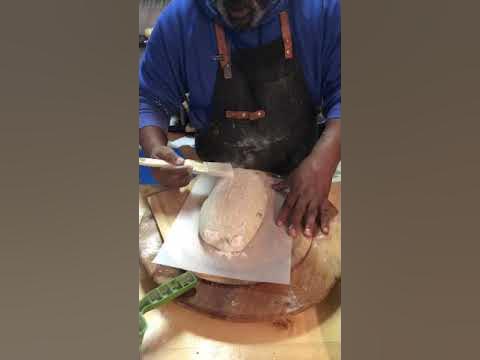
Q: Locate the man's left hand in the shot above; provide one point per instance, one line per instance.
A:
(306, 204)
(306, 200)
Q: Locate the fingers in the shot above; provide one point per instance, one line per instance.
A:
(173, 178)
(296, 217)
(311, 227)
(287, 207)
(327, 216)
(176, 182)
(184, 181)
(324, 225)
(180, 171)
(167, 154)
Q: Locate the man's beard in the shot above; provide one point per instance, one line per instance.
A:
(242, 14)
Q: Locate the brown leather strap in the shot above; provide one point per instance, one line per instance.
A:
(223, 52)
(286, 35)
(245, 115)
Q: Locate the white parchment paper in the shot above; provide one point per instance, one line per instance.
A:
(266, 259)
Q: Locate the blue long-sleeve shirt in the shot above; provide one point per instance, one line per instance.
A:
(179, 56)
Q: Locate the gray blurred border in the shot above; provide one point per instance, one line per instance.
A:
(69, 234)
(410, 183)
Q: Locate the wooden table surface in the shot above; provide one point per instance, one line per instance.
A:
(177, 333)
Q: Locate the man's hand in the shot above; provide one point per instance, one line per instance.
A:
(153, 141)
(309, 186)
(308, 193)
(175, 177)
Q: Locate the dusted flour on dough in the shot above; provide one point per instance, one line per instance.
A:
(234, 210)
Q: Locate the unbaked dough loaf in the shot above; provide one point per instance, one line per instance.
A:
(234, 210)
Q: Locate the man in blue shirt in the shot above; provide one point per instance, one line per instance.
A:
(257, 73)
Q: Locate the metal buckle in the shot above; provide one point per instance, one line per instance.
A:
(227, 71)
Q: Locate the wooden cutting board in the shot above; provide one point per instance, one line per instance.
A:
(316, 265)
(312, 279)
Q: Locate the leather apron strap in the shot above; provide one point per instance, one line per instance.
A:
(224, 51)
(225, 62)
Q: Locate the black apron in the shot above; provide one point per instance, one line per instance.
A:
(262, 115)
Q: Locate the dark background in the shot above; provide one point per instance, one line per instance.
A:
(69, 253)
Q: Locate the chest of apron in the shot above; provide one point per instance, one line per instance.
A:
(262, 116)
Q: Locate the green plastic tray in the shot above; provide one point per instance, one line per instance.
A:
(163, 294)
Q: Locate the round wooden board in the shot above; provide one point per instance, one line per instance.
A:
(311, 280)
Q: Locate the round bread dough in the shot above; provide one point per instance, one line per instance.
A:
(234, 210)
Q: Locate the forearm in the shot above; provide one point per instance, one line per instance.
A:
(153, 126)
(326, 152)
(151, 137)
(162, 81)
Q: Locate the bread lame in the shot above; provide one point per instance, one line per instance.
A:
(198, 168)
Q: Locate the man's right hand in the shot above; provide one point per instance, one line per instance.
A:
(175, 177)
(153, 141)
